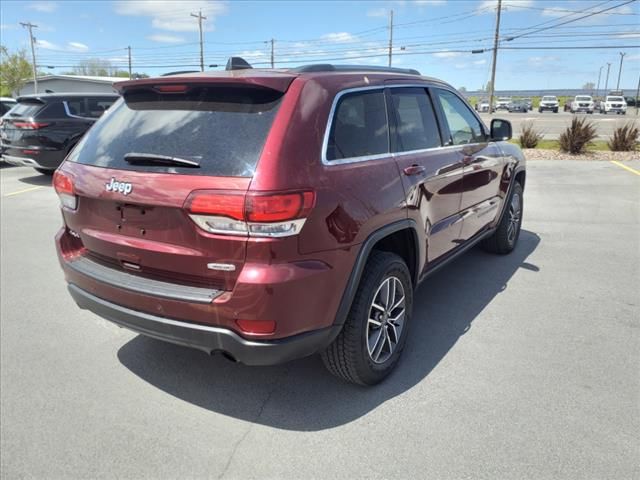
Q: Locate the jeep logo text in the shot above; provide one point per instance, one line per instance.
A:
(119, 187)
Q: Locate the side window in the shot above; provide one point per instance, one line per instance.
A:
(53, 110)
(77, 107)
(463, 125)
(97, 106)
(416, 125)
(359, 126)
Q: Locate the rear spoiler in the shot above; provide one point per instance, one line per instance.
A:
(279, 81)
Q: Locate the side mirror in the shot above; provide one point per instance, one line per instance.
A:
(501, 129)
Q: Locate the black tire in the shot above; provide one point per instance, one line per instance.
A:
(555, 110)
(348, 356)
(503, 241)
(44, 171)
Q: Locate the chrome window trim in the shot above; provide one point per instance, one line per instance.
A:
(366, 158)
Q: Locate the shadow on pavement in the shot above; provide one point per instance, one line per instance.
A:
(38, 179)
(302, 395)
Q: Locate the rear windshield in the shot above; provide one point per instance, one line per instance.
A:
(583, 99)
(221, 128)
(26, 109)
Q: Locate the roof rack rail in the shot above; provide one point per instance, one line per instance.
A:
(327, 67)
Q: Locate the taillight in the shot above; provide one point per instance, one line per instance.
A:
(278, 214)
(30, 125)
(63, 185)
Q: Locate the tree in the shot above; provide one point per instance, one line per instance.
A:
(95, 67)
(462, 89)
(15, 71)
(589, 86)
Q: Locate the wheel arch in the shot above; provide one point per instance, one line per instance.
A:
(400, 237)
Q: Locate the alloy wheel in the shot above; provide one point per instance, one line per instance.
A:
(385, 320)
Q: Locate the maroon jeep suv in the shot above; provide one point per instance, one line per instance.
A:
(272, 214)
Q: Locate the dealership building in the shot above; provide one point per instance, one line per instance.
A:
(71, 83)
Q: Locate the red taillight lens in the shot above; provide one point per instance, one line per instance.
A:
(278, 207)
(30, 125)
(277, 214)
(63, 186)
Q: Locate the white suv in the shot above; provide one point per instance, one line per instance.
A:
(549, 102)
(582, 103)
(615, 104)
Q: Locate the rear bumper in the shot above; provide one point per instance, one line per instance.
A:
(207, 338)
(45, 159)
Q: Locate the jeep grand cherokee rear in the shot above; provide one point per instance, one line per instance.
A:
(270, 215)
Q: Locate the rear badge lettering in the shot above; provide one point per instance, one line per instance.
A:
(119, 187)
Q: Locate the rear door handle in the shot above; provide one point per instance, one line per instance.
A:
(414, 170)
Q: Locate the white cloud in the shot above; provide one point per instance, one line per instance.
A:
(489, 6)
(47, 45)
(173, 15)
(429, 2)
(340, 37)
(480, 62)
(543, 60)
(161, 38)
(45, 7)
(446, 54)
(77, 47)
(6, 26)
(629, 35)
(377, 12)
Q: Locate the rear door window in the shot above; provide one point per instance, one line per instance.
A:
(359, 127)
(416, 127)
(463, 125)
(223, 129)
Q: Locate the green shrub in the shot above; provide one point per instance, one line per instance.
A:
(577, 136)
(529, 136)
(625, 138)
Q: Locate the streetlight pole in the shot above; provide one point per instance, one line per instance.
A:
(606, 82)
(622, 54)
(495, 58)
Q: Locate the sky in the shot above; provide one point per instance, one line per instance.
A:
(434, 36)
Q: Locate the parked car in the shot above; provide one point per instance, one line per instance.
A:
(614, 104)
(549, 102)
(483, 105)
(631, 101)
(528, 102)
(518, 106)
(227, 211)
(42, 128)
(6, 104)
(503, 103)
(582, 103)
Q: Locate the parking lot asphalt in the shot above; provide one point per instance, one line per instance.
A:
(551, 125)
(517, 367)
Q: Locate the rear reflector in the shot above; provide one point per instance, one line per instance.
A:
(262, 327)
(30, 125)
(260, 214)
(64, 188)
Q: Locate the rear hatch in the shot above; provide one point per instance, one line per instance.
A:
(19, 127)
(135, 172)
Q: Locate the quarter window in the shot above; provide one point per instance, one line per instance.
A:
(416, 125)
(359, 127)
(464, 127)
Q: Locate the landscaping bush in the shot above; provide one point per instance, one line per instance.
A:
(529, 136)
(625, 138)
(577, 136)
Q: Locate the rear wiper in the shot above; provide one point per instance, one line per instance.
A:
(152, 158)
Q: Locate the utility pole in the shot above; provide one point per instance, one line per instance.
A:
(495, 58)
(200, 18)
(598, 86)
(273, 65)
(390, 36)
(606, 82)
(129, 49)
(622, 54)
(32, 40)
(638, 97)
